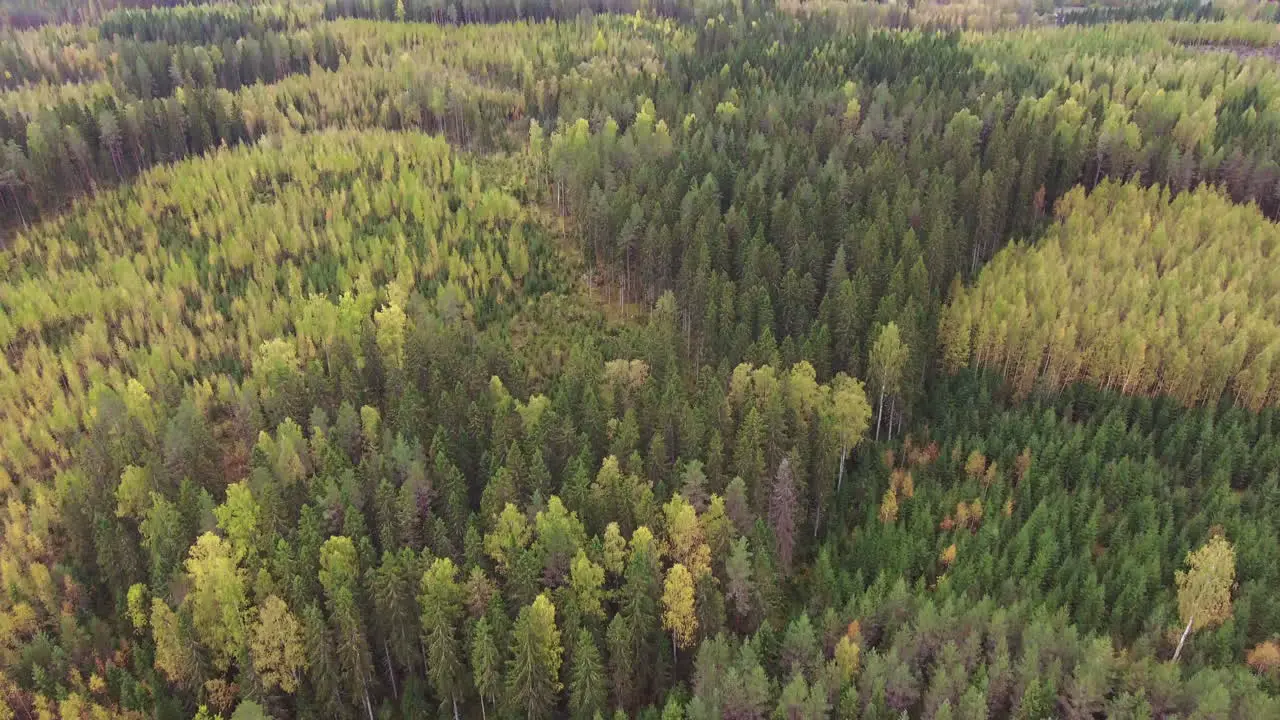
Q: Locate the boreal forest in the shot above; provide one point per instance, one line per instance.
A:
(658, 359)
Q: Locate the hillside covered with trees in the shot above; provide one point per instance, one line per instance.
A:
(395, 359)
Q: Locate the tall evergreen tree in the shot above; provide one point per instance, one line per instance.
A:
(440, 601)
(587, 688)
(533, 671)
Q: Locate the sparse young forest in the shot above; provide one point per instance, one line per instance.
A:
(678, 360)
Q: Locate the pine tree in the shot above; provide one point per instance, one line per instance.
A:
(737, 507)
(587, 690)
(782, 514)
(623, 660)
(392, 587)
(800, 701)
(748, 454)
(485, 663)
(322, 666)
(739, 588)
(339, 576)
(799, 646)
(440, 601)
(533, 671)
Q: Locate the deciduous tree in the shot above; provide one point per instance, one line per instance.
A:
(276, 645)
(1204, 588)
(679, 615)
(886, 361)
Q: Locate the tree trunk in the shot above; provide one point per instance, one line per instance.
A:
(1183, 639)
(893, 404)
(455, 707)
(484, 714)
(391, 673)
(879, 412)
(844, 452)
(900, 414)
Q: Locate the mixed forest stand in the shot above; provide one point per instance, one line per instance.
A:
(436, 358)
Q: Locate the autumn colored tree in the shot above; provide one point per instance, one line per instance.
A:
(351, 356)
(1204, 588)
(684, 529)
(176, 653)
(219, 601)
(276, 646)
(586, 579)
(850, 415)
(887, 359)
(677, 599)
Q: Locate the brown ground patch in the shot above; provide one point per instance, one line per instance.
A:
(1241, 50)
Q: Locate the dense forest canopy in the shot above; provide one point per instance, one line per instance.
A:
(681, 359)
(1127, 289)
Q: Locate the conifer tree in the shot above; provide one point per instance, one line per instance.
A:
(339, 576)
(587, 689)
(440, 602)
(533, 671)
(782, 514)
(485, 663)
